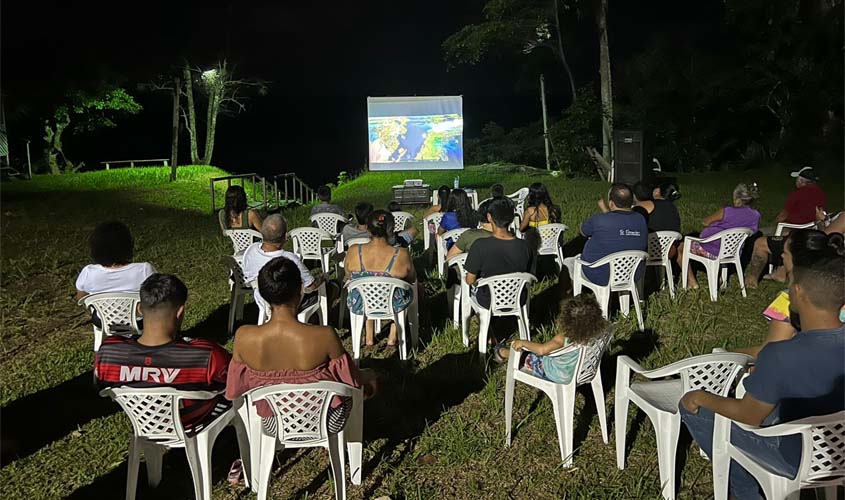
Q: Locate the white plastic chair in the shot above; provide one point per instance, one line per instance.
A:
(434, 218)
(440, 240)
(518, 198)
(505, 292)
(377, 295)
(659, 245)
(622, 279)
(513, 227)
(822, 456)
(461, 308)
(242, 238)
(308, 245)
(550, 236)
(659, 398)
(303, 419)
(154, 413)
(320, 308)
(118, 312)
(587, 371)
(239, 289)
(729, 253)
(400, 219)
(784, 225)
(329, 222)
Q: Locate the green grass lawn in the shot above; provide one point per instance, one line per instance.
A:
(437, 428)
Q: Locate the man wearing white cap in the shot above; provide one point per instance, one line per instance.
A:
(800, 207)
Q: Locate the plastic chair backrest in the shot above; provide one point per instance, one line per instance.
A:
(307, 241)
(505, 290)
(550, 235)
(236, 271)
(436, 217)
(302, 410)
(623, 266)
(459, 261)
(828, 456)
(242, 238)
(591, 355)
(400, 219)
(115, 309)
(329, 222)
(154, 412)
(518, 198)
(453, 235)
(732, 240)
(357, 241)
(377, 294)
(660, 243)
(712, 375)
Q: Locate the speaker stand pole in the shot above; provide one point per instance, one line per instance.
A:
(545, 120)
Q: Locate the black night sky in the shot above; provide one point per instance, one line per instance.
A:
(322, 59)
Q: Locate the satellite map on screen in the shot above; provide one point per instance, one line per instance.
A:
(395, 139)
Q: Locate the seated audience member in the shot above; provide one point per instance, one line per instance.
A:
(580, 321)
(539, 209)
(112, 248)
(500, 253)
(324, 194)
(459, 213)
(665, 216)
(161, 357)
(792, 379)
(379, 258)
(394, 206)
(274, 234)
(442, 201)
(362, 211)
(285, 351)
(740, 214)
(497, 190)
(768, 250)
(617, 230)
(235, 213)
(800, 206)
(470, 236)
(643, 203)
(803, 247)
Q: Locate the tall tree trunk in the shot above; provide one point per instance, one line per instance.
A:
(192, 115)
(174, 144)
(214, 99)
(53, 153)
(606, 85)
(563, 56)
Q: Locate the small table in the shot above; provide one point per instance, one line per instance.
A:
(472, 193)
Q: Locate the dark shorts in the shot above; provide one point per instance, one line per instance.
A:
(775, 244)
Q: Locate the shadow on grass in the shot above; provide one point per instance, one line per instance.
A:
(36, 420)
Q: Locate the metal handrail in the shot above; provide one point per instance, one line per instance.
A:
(299, 190)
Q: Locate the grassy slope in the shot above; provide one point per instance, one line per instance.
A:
(437, 429)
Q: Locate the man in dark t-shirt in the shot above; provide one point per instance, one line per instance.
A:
(501, 253)
(617, 230)
(160, 357)
(792, 379)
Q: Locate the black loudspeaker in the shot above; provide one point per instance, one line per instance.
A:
(628, 160)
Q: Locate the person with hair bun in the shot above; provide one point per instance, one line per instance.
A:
(740, 213)
(379, 258)
(803, 248)
(285, 351)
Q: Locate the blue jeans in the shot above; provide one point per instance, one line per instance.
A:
(781, 454)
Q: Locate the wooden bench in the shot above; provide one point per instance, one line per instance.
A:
(157, 161)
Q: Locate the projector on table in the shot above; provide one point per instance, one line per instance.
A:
(412, 192)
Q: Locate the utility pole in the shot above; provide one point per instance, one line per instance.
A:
(174, 144)
(545, 120)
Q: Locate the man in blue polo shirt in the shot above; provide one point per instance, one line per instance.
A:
(616, 230)
(792, 379)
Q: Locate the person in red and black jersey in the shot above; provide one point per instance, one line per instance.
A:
(160, 357)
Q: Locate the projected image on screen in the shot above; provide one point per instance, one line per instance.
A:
(410, 133)
(415, 138)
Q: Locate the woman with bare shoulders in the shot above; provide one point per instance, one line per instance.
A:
(379, 258)
(236, 214)
(285, 351)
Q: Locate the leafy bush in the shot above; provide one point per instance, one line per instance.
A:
(578, 127)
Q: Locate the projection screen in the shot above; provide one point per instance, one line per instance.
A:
(415, 133)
